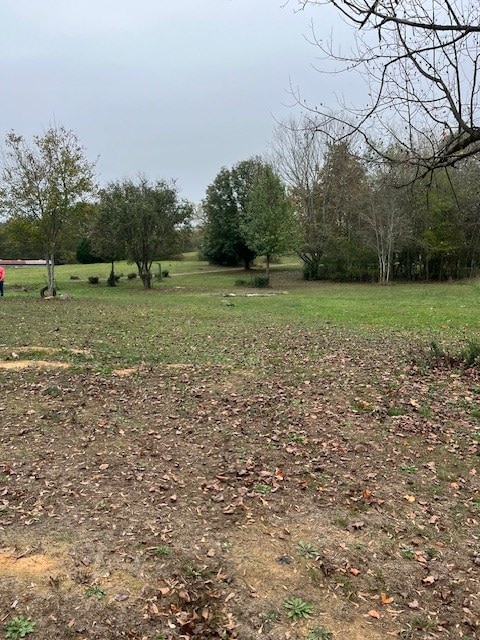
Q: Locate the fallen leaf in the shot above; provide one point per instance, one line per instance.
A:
(385, 599)
(354, 572)
(367, 495)
(429, 580)
(414, 604)
(409, 498)
(374, 614)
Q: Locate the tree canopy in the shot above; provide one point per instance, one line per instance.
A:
(270, 225)
(225, 208)
(41, 184)
(143, 220)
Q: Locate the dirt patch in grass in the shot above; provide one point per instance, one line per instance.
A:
(33, 566)
(196, 501)
(24, 364)
(13, 361)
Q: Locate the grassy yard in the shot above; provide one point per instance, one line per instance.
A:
(209, 460)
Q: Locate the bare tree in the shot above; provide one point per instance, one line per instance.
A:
(420, 60)
(297, 154)
(386, 218)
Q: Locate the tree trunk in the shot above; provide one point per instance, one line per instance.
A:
(267, 268)
(312, 262)
(111, 278)
(50, 260)
(146, 276)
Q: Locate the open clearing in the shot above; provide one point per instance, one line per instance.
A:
(193, 495)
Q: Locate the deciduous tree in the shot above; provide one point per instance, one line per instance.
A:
(269, 227)
(147, 218)
(42, 181)
(225, 207)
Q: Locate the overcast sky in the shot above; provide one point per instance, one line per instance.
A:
(172, 89)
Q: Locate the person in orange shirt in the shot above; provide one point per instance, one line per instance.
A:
(2, 277)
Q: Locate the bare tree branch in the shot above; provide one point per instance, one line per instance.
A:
(419, 59)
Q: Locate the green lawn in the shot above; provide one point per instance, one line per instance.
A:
(192, 314)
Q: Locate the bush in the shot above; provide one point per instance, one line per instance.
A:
(453, 358)
(93, 279)
(470, 355)
(132, 276)
(260, 282)
(241, 282)
(74, 278)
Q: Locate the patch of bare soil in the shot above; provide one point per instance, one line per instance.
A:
(185, 502)
(24, 364)
(12, 359)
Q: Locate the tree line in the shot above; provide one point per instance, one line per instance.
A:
(352, 216)
(348, 214)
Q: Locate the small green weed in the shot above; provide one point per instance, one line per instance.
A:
(407, 553)
(95, 591)
(19, 627)
(319, 633)
(162, 550)
(395, 411)
(409, 468)
(262, 488)
(425, 412)
(298, 609)
(307, 550)
(268, 619)
(296, 437)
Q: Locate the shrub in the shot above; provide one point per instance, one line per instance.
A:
(162, 273)
(471, 353)
(74, 278)
(93, 279)
(260, 282)
(241, 282)
(438, 356)
(132, 275)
